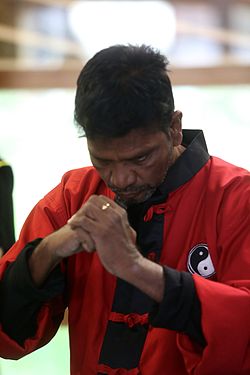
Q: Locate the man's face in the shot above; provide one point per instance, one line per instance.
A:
(134, 165)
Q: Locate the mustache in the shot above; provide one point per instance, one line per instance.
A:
(130, 189)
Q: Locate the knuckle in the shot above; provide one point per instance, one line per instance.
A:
(93, 198)
(124, 214)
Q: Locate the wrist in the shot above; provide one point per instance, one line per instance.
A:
(42, 261)
(148, 277)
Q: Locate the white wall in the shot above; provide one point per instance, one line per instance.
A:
(39, 139)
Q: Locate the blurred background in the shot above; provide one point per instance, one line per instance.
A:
(43, 46)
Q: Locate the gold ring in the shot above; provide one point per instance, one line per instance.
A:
(105, 206)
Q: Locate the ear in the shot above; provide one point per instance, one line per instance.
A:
(176, 128)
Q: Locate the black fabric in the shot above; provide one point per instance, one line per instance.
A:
(7, 235)
(180, 309)
(123, 345)
(129, 341)
(130, 299)
(180, 300)
(21, 300)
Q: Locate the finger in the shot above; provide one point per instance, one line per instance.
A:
(84, 238)
(105, 225)
(101, 200)
(87, 208)
(97, 208)
(111, 203)
(133, 234)
(74, 220)
(93, 209)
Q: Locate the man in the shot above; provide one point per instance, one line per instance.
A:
(148, 249)
(7, 235)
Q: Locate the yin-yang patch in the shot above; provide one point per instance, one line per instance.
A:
(200, 262)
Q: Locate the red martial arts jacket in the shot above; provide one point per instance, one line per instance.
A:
(205, 233)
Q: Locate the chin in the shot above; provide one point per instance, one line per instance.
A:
(140, 198)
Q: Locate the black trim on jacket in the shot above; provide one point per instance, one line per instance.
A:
(21, 300)
(180, 309)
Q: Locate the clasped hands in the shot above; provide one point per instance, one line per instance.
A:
(101, 225)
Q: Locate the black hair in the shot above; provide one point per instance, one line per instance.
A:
(121, 88)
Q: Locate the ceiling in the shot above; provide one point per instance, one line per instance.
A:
(40, 49)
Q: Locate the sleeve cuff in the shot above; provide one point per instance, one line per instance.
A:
(174, 310)
(180, 309)
(21, 279)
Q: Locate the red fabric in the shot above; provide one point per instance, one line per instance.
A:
(213, 209)
(120, 371)
(158, 209)
(130, 319)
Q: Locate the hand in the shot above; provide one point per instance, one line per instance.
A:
(110, 232)
(114, 241)
(107, 231)
(56, 246)
(67, 241)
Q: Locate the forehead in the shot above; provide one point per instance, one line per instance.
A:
(135, 143)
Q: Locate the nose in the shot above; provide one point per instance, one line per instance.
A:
(122, 176)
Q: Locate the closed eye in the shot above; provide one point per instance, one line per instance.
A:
(141, 159)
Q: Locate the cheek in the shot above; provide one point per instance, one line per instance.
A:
(153, 175)
(159, 173)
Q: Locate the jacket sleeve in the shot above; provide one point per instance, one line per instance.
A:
(180, 308)
(21, 300)
(48, 215)
(225, 303)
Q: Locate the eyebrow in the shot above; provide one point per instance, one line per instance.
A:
(140, 154)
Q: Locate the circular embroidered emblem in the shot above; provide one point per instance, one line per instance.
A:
(200, 262)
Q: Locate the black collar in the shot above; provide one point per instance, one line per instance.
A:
(186, 166)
